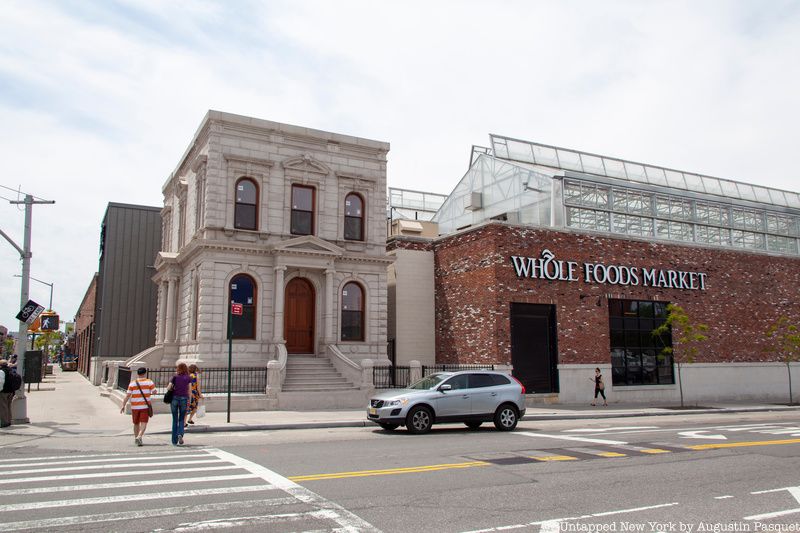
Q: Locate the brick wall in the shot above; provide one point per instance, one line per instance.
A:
(476, 281)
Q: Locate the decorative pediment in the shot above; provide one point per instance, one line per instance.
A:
(306, 164)
(309, 244)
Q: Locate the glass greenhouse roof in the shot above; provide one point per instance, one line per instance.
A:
(564, 158)
(545, 186)
(413, 205)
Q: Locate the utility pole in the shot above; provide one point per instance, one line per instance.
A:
(19, 407)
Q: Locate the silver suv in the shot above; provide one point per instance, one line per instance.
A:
(472, 397)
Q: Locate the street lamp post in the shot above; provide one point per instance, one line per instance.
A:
(50, 307)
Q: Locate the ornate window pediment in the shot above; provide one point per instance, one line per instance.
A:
(306, 164)
(309, 244)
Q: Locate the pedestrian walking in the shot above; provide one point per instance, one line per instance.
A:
(9, 383)
(197, 393)
(139, 393)
(599, 386)
(180, 385)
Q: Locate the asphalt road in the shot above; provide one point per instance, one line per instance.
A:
(680, 473)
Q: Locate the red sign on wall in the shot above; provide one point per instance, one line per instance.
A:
(236, 309)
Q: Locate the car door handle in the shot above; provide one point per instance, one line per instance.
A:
(465, 396)
(494, 394)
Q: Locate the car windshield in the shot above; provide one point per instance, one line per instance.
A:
(428, 382)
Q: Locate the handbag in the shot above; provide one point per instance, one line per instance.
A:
(149, 407)
(168, 396)
(601, 386)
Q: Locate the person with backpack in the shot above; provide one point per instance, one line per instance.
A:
(9, 383)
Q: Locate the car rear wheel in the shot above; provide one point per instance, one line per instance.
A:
(473, 425)
(419, 420)
(389, 427)
(506, 417)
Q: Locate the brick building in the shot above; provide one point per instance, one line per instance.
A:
(85, 326)
(557, 261)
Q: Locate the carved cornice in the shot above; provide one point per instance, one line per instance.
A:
(199, 162)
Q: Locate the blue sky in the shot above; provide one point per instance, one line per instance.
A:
(98, 100)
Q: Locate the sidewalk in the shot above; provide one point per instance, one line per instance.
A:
(68, 404)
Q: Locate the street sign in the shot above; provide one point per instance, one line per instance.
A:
(237, 309)
(49, 322)
(29, 312)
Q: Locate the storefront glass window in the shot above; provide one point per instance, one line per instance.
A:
(636, 355)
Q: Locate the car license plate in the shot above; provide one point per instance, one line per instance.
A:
(373, 411)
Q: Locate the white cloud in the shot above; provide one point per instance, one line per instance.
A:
(99, 100)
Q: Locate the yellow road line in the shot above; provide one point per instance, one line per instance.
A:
(555, 458)
(611, 454)
(653, 450)
(389, 471)
(742, 444)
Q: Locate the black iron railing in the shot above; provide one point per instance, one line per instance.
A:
(123, 377)
(391, 377)
(215, 380)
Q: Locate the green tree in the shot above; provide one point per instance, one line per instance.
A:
(44, 341)
(8, 347)
(783, 338)
(690, 336)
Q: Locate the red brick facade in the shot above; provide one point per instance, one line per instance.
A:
(84, 328)
(476, 282)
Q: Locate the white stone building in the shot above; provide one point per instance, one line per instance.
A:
(288, 222)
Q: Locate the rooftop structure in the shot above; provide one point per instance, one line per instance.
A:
(541, 185)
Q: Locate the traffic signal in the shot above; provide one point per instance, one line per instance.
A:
(49, 321)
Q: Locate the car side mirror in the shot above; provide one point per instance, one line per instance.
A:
(445, 387)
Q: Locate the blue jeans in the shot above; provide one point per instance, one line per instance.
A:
(178, 407)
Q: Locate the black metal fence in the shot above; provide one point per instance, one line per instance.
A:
(215, 380)
(397, 377)
(391, 377)
(123, 377)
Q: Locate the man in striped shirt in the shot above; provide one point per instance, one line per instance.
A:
(139, 393)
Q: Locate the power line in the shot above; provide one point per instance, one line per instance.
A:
(19, 193)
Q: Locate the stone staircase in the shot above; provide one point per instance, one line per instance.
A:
(305, 373)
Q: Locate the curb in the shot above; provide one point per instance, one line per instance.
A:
(578, 416)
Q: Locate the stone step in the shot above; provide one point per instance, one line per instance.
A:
(317, 387)
(307, 371)
(305, 382)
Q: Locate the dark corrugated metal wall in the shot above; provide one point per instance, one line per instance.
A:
(126, 294)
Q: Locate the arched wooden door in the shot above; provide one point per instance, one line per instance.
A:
(298, 322)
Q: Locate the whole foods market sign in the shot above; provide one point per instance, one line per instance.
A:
(550, 268)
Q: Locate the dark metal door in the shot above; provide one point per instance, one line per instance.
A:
(533, 346)
(299, 316)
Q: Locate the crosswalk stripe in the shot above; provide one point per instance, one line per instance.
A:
(138, 483)
(108, 460)
(346, 519)
(109, 467)
(64, 477)
(240, 521)
(53, 523)
(133, 497)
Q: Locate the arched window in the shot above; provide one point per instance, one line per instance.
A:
(352, 312)
(243, 291)
(245, 215)
(353, 217)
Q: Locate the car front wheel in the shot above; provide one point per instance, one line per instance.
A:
(506, 417)
(419, 420)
